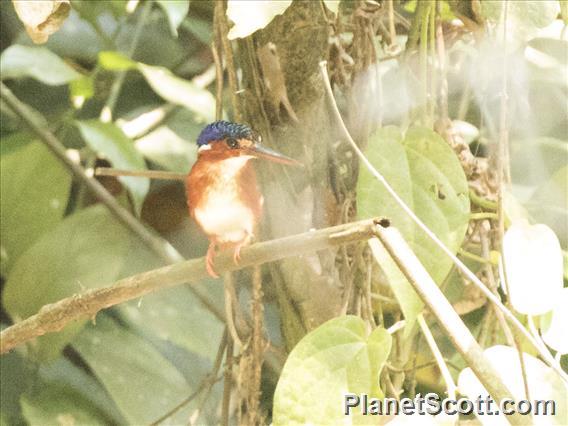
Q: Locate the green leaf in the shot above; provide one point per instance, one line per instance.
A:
(171, 315)
(179, 91)
(64, 373)
(36, 62)
(250, 16)
(140, 380)
(338, 357)
(34, 188)
(115, 61)
(57, 404)
(16, 377)
(427, 175)
(109, 141)
(176, 11)
(85, 250)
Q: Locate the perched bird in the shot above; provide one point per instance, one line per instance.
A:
(222, 191)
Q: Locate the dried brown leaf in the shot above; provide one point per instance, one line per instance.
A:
(42, 18)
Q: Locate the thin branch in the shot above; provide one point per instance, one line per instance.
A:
(206, 383)
(160, 246)
(231, 305)
(448, 319)
(450, 384)
(460, 265)
(254, 412)
(54, 317)
(151, 174)
(226, 401)
(163, 249)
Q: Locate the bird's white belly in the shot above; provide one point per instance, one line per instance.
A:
(225, 217)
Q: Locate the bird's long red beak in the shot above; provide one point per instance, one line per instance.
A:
(260, 151)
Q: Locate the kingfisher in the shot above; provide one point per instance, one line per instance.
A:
(222, 191)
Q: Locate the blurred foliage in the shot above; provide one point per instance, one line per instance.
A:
(139, 360)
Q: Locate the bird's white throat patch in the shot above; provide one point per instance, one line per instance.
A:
(221, 212)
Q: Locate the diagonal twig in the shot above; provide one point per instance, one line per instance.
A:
(448, 319)
(155, 243)
(54, 317)
(459, 264)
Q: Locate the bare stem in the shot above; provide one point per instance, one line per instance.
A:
(450, 384)
(460, 265)
(151, 174)
(163, 249)
(206, 383)
(223, 28)
(447, 317)
(227, 385)
(159, 246)
(56, 316)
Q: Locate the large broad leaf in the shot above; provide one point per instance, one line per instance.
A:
(172, 314)
(252, 15)
(36, 62)
(543, 383)
(427, 175)
(34, 188)
(108, 140)
(338, 357)
(63, 373)
(176, 10)
(85, 250)
(143, 383)
(57, 404)
(16, 376)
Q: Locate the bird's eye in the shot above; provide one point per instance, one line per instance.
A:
(232, 143)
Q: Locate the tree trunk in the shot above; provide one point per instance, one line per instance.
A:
(309, 289)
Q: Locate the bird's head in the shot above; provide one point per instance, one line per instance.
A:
(224, 139)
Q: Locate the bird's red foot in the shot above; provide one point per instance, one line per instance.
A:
(209, 261)
(237, 253)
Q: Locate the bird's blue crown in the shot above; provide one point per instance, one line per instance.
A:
(220, 130)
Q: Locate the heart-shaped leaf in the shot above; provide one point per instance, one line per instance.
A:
(337, 358)
(427, 175)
